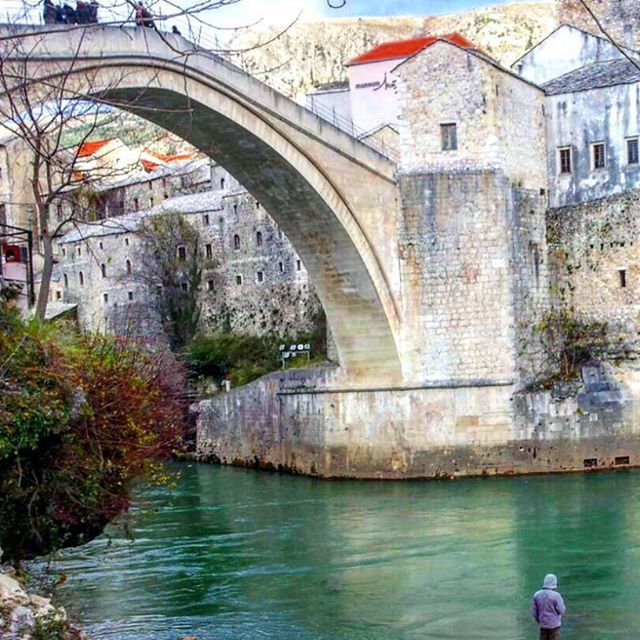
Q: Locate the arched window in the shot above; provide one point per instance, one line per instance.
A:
(236, 242)
(259, 239)
(103, 269)
(66, 281)
(128, 266)
(81, 278)
(222, 183)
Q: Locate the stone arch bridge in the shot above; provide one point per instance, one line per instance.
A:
(333, 196)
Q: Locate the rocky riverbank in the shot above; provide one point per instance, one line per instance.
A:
(27, 616)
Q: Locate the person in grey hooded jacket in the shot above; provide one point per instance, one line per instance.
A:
(547, 608)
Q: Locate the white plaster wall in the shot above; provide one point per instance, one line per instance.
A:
(563, 51)
(602, 115)
(373, 98)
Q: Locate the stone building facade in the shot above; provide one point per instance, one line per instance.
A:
(517, 198)
(253, 282)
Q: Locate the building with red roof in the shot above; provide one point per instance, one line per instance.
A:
(403, 49)
(368, 101)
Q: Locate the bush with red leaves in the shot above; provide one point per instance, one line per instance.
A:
(80, 418)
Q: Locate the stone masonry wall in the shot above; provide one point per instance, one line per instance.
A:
(499, 117)
(455, 260)
(595, 259)
(273, 295)
(291, 421)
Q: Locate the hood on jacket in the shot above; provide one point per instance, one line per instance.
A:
(550, 581)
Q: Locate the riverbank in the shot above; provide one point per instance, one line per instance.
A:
(29, 616)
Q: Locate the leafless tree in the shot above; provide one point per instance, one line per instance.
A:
(40, 111)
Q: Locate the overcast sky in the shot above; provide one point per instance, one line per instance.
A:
(282, 10)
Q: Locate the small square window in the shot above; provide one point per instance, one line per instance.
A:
(632, 151)
(622, 275)
(260, 275)
(58, 295)
(238, 279)
(599, 155)
(449, 137)
(565, 159)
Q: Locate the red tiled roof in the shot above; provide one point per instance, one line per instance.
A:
(89, 148)
(148, 165)
(171, 158)
(406, 48)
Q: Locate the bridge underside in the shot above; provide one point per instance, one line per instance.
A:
(358, 321)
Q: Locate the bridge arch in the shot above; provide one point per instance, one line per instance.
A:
(333, 197)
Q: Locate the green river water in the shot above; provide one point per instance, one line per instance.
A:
(234, 554)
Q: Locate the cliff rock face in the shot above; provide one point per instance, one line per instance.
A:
(312, 53)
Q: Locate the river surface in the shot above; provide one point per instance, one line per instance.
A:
(234, 554)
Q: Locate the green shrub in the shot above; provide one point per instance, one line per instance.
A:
(80, 417)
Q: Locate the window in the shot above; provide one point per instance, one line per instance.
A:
(565, 159)
(622, 274)
(260, 275)
(151, 201)
(281, 266)
(449, 137)
(238, 279)
(210, 285)
(103, 270)
(81, 278)
(208, 251)
(257, 205)
(66, 280)
(105, 297)
(599, 155)
(205, 219)
(64, 251)
(235, 209)
(222, 183)
(236, 242)
(166, 196)
(259, 239)
(59, 211)
(136, 204)
(184, 286)
(101, 245)
(128, 267)
(126, 242)
(130, 295)
(298, 265)
(79, 250)
(182, 254)
(632, 151)
(150, 185)
(58, 295)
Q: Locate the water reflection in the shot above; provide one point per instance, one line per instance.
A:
(242, 554)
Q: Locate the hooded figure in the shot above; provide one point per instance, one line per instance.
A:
(547, 608)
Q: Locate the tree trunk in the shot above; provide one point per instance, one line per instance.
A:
(45, 282)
